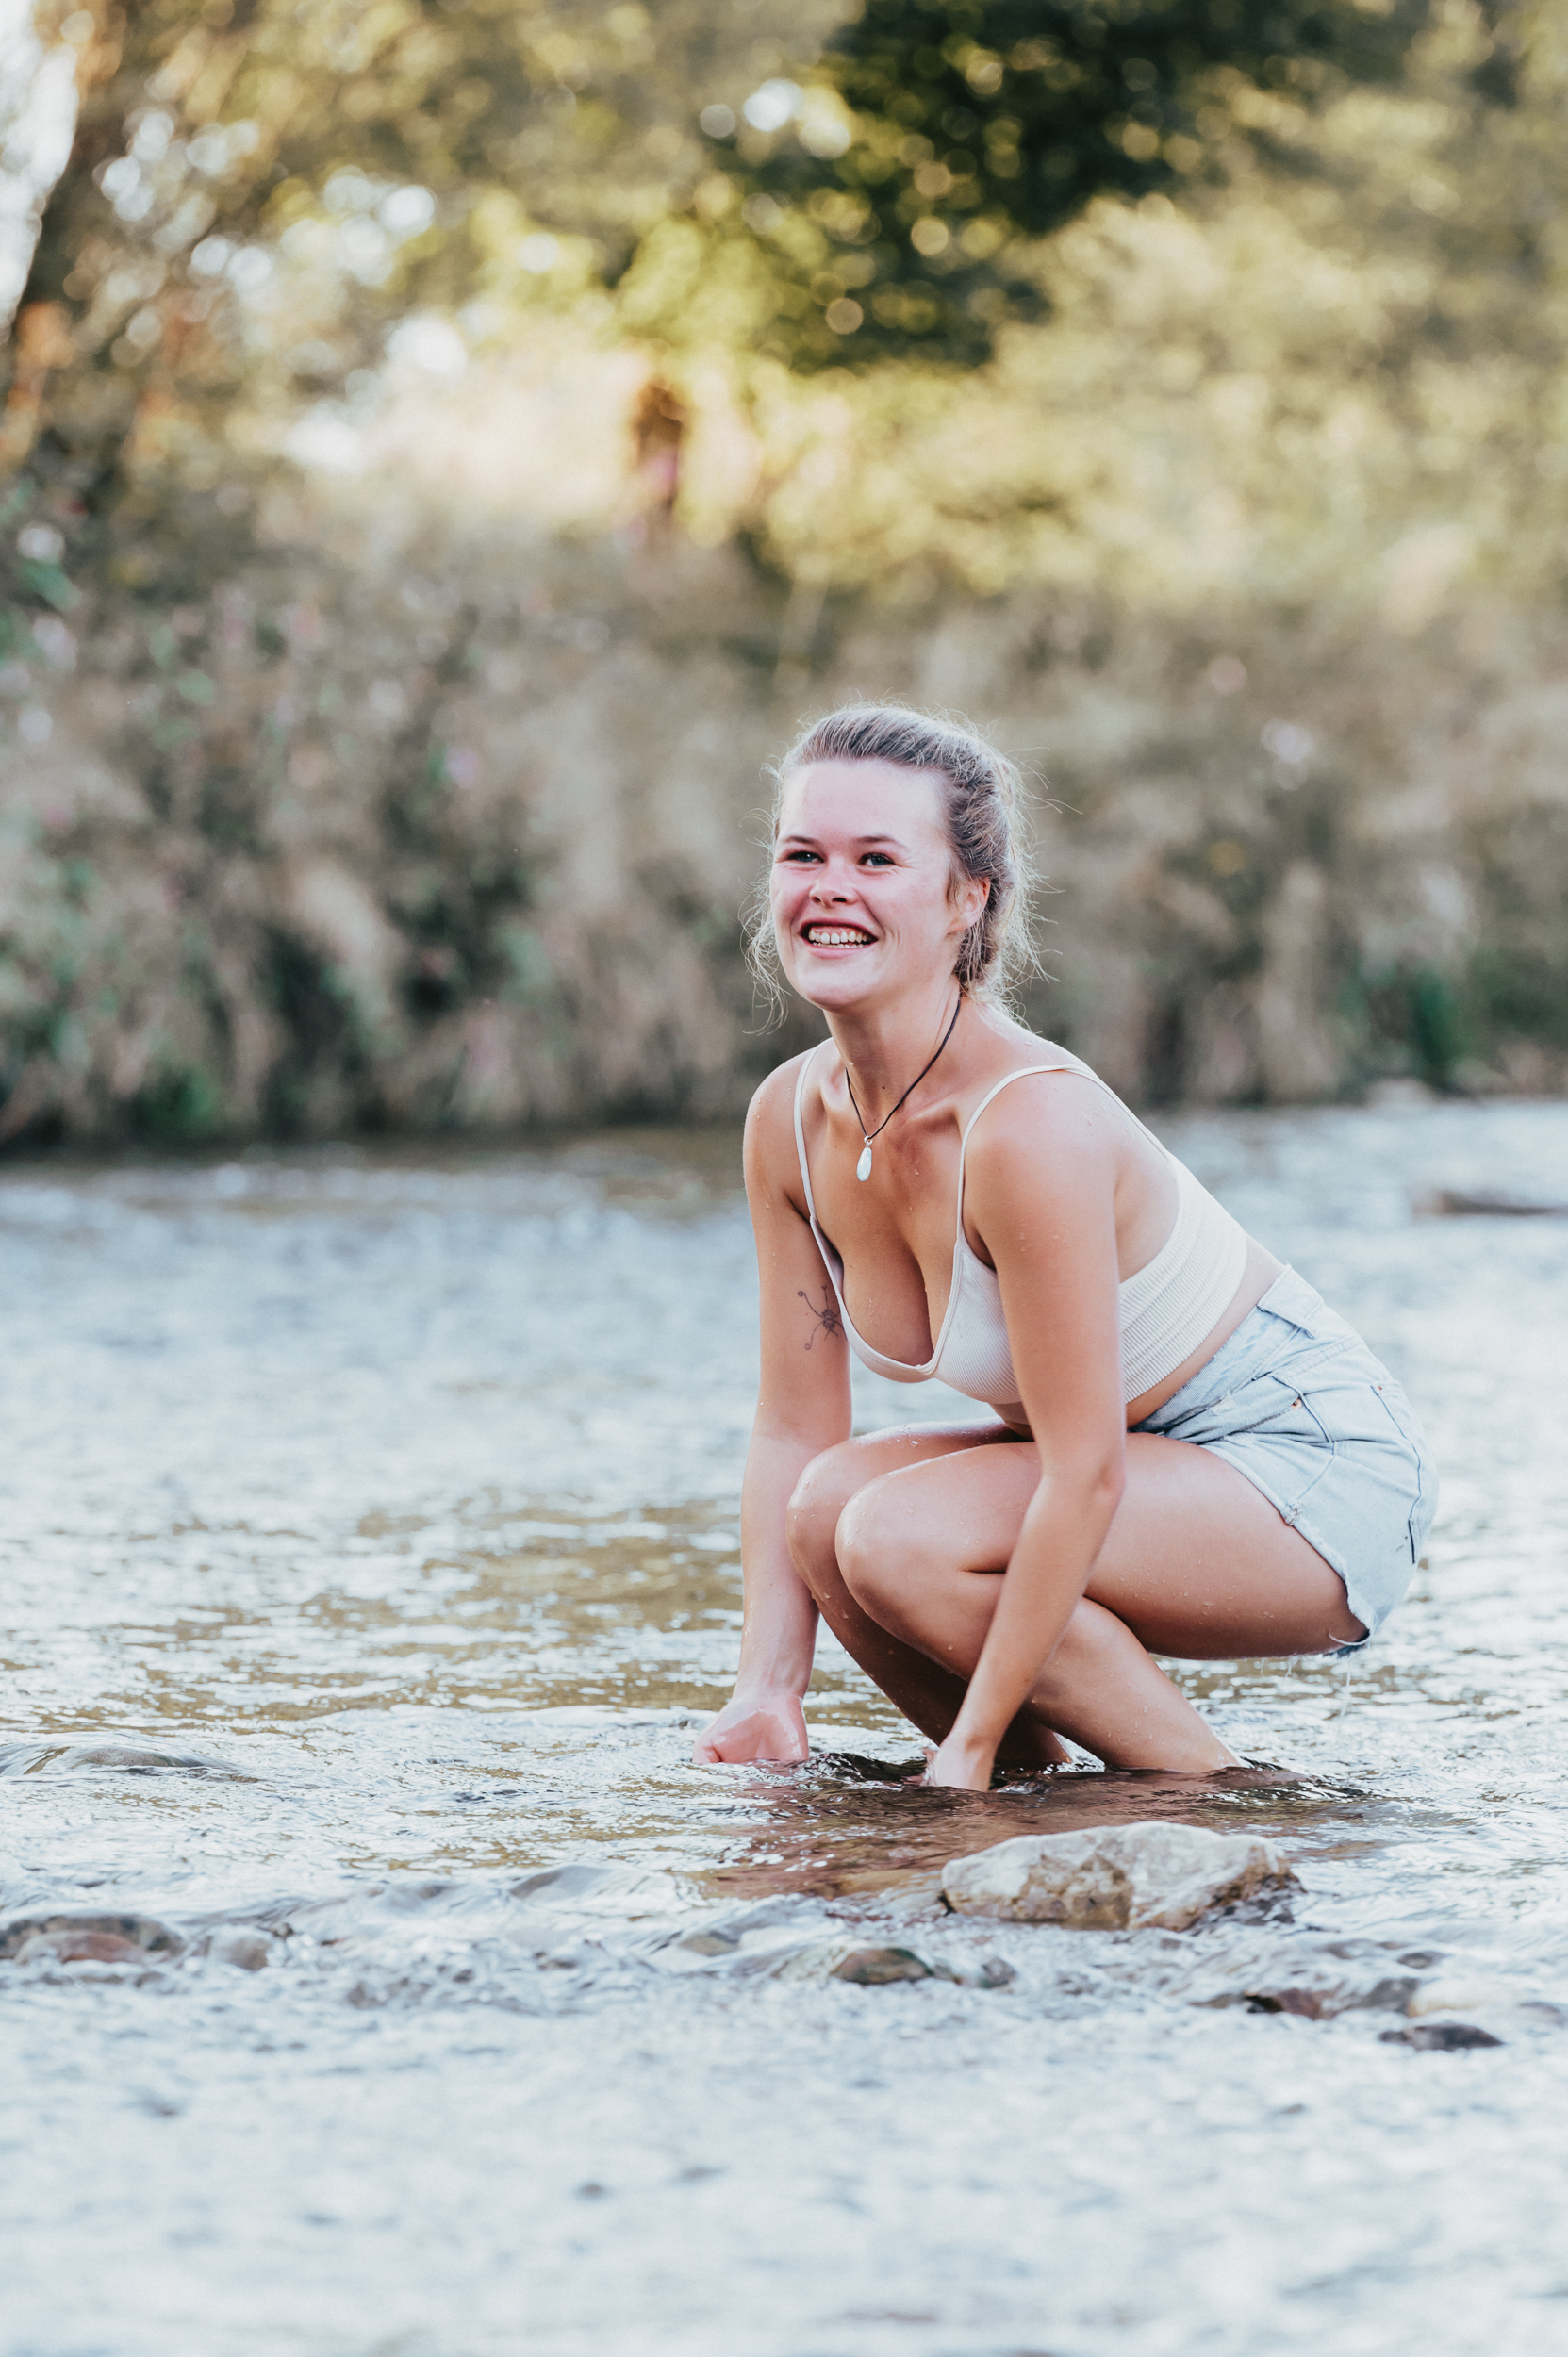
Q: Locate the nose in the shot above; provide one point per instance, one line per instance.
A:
(824, 888)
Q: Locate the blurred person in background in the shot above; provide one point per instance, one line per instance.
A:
(1191, 1453)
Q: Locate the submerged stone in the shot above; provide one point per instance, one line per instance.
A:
(869, 1968)
(86, 1940)
(1322, 2001)
(1440, 2037)
(249, 1950)
(1457, 1996)
(140, 1759)
(1125, 1877)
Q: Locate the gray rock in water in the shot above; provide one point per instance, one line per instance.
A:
(1322, 2001)
(249, 1950)
(87, 1940)
(1122, 1877)
(869, 1968)
(137, 1759)
(1439, 2038)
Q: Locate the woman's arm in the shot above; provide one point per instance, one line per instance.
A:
(1040, 1191)
(802, 1408)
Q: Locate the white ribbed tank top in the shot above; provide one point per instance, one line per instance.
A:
(1165, 1309)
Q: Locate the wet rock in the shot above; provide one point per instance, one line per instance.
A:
(1154, 1875)
(709, 1943)
(140, 1759)
(1322, 2001)
(864, 1966)
(78, 1948)
(1455, 1996)
(408, 1895)
(1440, 2037)
(1486, 1203)
(870, 1968)
(618, 1890)
(996, 1973)
(249, 1950)
(1308, 2003)
(724, 1936)
(87, 1939)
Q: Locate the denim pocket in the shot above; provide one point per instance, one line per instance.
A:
(1402, 1416)
(1270, 1423)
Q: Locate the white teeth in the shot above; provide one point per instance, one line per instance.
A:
(835, 937)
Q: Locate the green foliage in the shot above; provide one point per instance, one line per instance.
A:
(259, 189)
(365, 158)
(899, 221)
(1520, 994)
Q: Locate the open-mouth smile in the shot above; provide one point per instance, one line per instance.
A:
(836, 937)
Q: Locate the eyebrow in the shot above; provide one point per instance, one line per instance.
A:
(864, 840)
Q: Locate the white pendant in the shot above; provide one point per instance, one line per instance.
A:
(862, 1168)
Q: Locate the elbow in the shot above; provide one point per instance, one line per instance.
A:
(1103, 1481)
(1093, 1485)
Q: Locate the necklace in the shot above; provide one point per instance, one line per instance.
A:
(862, 1168)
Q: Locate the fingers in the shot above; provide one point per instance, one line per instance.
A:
(727, 1750)
(763, 1741)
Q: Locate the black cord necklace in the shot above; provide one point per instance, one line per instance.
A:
(862, 1168)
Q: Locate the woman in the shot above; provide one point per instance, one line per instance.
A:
(1191, 1455)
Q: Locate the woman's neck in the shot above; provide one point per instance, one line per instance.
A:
(884, 1048)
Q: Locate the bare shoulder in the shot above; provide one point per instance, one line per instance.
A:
(1056, 1132)
(771, 1155)
(772, 1106)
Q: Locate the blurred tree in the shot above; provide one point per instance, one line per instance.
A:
(256, 188)
(374, 156)
(897, 187)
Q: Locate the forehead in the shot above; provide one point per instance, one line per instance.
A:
(844, 800)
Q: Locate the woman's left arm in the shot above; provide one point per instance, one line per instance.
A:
(1041, 1194)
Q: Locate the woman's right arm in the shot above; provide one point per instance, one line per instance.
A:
(802, 1409)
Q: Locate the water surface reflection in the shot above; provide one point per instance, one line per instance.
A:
(371, 1556)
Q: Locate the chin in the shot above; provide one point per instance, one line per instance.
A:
(832, 987)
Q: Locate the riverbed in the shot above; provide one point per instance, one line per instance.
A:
(371, 1559)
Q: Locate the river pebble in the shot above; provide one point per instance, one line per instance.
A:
(1132, 1877)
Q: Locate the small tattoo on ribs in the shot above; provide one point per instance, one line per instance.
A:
(827, 1318)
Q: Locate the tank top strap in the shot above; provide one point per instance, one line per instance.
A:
(1024, 1072)
(800, 1134)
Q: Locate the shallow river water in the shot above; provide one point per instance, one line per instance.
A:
(370, 1558)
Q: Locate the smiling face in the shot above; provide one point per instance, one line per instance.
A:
(864, 906)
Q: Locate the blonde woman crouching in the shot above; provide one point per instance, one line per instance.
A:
(1192, 1455)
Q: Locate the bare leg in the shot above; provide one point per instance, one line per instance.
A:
(1197, 1563)
(925, 1692)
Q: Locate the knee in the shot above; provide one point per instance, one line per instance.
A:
(873, 1567)
(812, 1516)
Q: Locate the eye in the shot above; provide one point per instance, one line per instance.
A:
(799, 857)
(877, 858)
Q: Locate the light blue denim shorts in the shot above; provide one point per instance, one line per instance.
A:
(1297, 1402)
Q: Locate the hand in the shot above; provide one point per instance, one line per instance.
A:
(765, 1725)
(962, 1764)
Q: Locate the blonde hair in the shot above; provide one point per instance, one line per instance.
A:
(982, 799)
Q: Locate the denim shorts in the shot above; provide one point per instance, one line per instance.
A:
(1297, 1402)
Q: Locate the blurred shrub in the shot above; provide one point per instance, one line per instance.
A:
(455, 833)
(386, 752)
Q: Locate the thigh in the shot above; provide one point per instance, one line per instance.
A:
(830, 1480)
(1200, 1564)
(1197, 1562)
